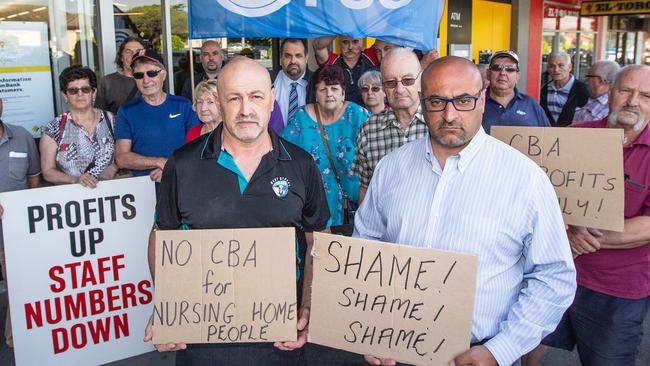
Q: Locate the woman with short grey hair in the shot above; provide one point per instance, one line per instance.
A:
(205, 106)
(372, 92)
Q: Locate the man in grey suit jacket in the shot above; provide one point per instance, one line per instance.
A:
(293, 76)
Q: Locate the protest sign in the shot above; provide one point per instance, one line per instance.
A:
(79, 284)
(584, 165)
(225, 286)
(409, 23)
(410, 304)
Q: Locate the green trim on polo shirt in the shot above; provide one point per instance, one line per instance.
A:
(227, 161)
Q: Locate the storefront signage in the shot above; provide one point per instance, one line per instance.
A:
(459, 22)
(80, 291)
(621, 7)
(25, 75)
(411, 23)
(553, 11)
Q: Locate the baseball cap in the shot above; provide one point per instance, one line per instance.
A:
(505, 53)
(150, 55)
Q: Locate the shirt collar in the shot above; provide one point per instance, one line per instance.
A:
(603, 99)
(466, 155)
(644, 137)
(567, 87)
(287, 80)
(212, 145)
(391, 118)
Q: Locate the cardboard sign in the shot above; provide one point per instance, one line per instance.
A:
(584, 165)
(410, 304)
(225, 286)
(80, 291)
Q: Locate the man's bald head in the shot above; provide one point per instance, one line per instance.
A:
(455, 65)
(401, 57)
(241, 68)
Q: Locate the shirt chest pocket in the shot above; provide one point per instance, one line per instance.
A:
(635, 197)
(18, 164)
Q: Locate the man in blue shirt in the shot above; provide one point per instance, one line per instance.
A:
(151, 127)
(504, 104)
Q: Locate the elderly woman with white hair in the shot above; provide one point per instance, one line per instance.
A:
(372, 92)
(205, 106)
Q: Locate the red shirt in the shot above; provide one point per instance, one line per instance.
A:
(623, 273)
(193, 133)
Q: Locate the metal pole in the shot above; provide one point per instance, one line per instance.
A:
(191, 68)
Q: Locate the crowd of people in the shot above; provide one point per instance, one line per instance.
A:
(400, 139)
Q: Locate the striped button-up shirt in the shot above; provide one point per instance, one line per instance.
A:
(594, 110)
(492, 201)
(556, 98)
(379, 135)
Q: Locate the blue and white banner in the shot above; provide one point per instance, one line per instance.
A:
(411, 23)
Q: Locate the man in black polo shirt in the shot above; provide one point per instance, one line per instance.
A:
(242, 175)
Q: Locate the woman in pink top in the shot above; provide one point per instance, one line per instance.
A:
(205, 106)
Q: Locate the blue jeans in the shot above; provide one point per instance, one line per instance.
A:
(607, 330)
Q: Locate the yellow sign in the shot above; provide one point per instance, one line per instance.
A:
(620, 7)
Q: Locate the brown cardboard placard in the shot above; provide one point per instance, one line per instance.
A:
(410, 304)
(584, 165)
(225, 286)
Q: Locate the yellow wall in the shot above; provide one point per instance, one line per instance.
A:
(490, 27)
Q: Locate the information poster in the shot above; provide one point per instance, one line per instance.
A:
(25, 75)
(80, 291)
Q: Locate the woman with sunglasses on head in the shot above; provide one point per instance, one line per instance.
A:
(328, 131)
(372, 93)
(78, 146)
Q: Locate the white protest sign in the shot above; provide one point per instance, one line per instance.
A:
(79, 284)
(409, 304)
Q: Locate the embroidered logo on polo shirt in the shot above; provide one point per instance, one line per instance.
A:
(280, 186)
(520, 112)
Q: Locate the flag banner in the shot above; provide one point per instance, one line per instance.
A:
(410, 23)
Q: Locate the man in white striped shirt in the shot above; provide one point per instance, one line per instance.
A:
(464, 191)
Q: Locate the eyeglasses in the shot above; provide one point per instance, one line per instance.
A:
(374, 89)
(463, 103)
(150, 73)
(508, 68)
(75, 91)
(390, 84)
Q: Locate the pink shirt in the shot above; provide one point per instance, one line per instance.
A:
(623, 273)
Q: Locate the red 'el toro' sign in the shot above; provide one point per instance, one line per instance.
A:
(79, 285)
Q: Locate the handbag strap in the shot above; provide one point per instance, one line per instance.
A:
(327, 151)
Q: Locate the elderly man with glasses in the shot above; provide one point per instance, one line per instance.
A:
(600, 78)
(151, 127)
(462, 190)
(505, 105)
(400, 123)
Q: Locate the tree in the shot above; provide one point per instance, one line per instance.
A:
(149, 22)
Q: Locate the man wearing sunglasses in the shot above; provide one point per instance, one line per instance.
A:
(600, 77)
(400, 123)
(505, 105)
(462, 190)
(152, 126)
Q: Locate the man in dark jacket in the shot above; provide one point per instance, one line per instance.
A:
(564, 93)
